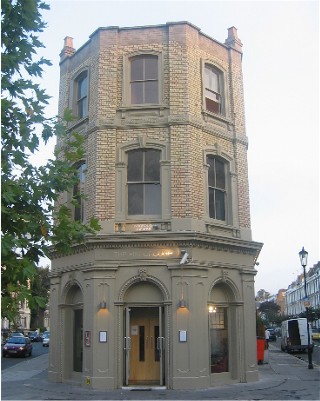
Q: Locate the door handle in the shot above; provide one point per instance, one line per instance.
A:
(160, 342)
(127, 343)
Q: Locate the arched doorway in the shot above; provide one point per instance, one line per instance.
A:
(144, 334)
(223, 332)
(73, 333)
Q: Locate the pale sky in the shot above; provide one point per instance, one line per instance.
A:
(281, 86)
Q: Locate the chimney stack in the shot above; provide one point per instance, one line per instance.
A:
(233, 40)
(68, 49)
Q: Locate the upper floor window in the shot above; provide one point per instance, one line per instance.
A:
(143, 179)
(217, 188)
(213, 89)
(144, 79)
(81, 95)
(78, 192)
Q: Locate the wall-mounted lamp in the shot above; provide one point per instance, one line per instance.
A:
(212, 309)
(103, 305)
(182, 303)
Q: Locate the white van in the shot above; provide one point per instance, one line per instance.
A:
(294, 335)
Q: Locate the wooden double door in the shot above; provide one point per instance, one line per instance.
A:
(144, 346)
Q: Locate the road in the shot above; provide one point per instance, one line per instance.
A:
(37, 350)
(304, 355)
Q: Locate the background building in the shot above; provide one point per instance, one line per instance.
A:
(164, 293)
(295, 294)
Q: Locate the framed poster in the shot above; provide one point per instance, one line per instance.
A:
(182, 336)
(103, 338)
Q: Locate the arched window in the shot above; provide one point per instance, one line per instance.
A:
(81, 95)
(217, 187)
(144, 79)
(143, 179)
(78, 192)
(213, 90)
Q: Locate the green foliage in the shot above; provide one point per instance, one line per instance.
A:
(269, 311)
(40, 286)
(28, 193)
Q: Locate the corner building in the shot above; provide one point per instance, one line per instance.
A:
(163, 295)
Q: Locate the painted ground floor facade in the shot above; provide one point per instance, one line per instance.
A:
(127, 313)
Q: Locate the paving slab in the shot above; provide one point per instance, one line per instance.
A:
(282, 377)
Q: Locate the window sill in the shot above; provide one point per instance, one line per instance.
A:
(207, 115)
(142, 109)
(142, 226)
(78, 123)
(219, 227)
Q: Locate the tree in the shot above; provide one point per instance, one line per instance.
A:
(262, 295)
(30, 222)
(40, 288)
(269, 311)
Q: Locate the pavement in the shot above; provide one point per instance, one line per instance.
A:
(281, 377)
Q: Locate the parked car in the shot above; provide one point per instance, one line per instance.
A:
(17, 346)
(272, 335)
(34, 336)
(16, 334)
(46, 340)
(316, 334)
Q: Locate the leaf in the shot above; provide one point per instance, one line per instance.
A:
(30, 223)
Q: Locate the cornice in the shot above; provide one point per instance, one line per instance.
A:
(152, 240)
(168, 121)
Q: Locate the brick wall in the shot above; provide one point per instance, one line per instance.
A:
(184, 126)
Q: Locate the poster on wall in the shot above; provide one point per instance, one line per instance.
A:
(103, 336)
(182, 336)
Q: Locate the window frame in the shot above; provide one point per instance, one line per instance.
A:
(121, 180)
(219, 339)
(81, 184)
(144, 80)
(76, 100)
(126, 90)
(216, 189)
(231, 197)
(143, 182)
(222, 89)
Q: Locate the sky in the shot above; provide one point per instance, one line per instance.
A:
(281, 88)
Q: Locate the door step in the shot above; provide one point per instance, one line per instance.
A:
(143, 388)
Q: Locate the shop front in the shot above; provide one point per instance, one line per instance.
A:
(155, 323)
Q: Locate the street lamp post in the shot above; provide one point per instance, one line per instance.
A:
(303, 259)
